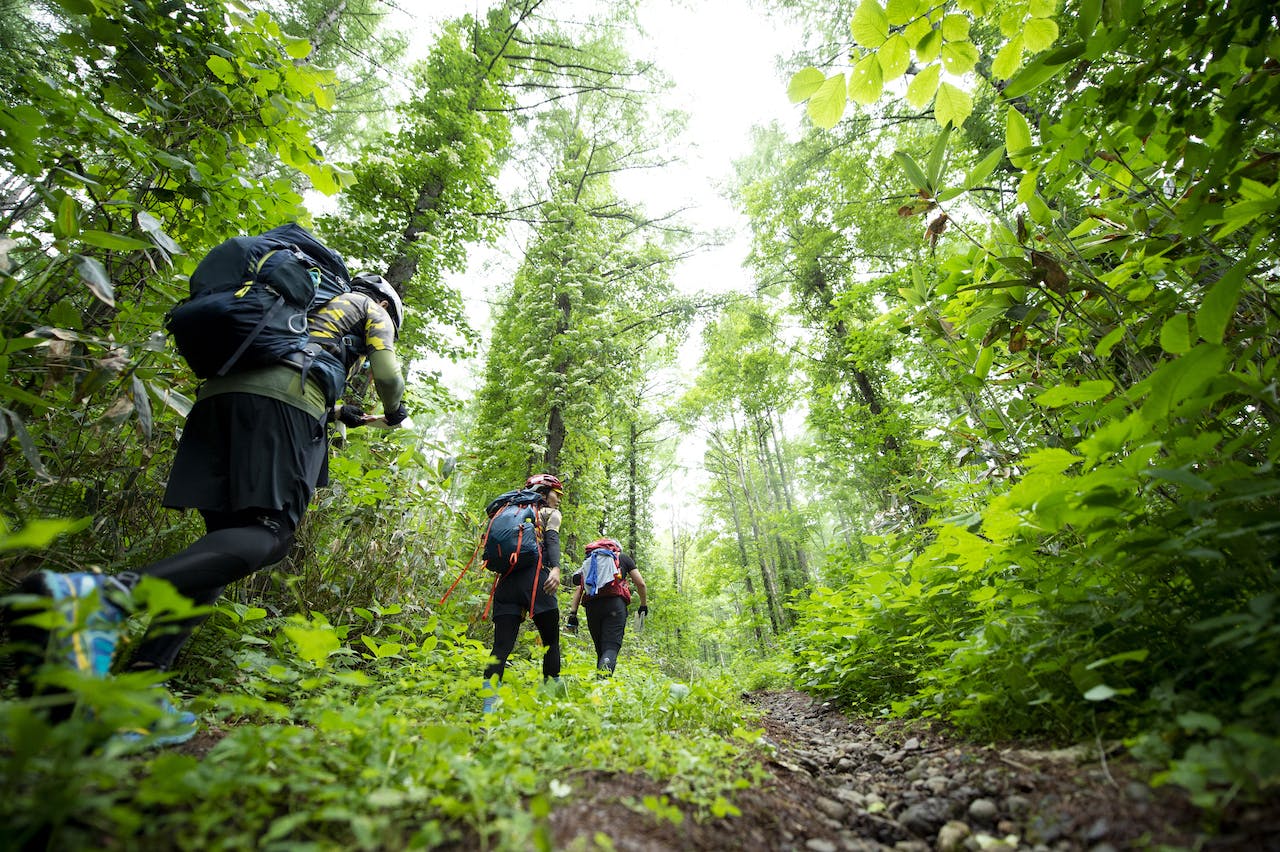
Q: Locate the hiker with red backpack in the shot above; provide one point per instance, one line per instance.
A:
(251, 453)
(528, 574)
(601, 585)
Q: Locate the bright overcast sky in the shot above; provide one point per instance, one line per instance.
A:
(721, 56)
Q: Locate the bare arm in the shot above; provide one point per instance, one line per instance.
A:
(640, 586)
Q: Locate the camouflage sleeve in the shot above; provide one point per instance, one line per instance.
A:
(379, 331)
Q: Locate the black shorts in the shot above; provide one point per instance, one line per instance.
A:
(514, 591)
(243, 451)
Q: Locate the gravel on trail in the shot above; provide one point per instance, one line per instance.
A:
(841, 784)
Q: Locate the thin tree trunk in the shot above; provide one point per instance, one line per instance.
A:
(742, 548)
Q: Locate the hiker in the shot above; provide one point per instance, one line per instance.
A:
(529, 586)
(606, 593)
(252, 452)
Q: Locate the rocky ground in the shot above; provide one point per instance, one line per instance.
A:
(844, 784)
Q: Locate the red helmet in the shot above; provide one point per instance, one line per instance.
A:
(544, 480)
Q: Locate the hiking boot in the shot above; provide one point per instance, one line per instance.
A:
(172, 728)
(88, 612)
(491, 701)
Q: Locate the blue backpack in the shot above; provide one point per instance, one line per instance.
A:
(511, 540)
(248, 304)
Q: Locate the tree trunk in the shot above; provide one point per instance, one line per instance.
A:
(742, 550)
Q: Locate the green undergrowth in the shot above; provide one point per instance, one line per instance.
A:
(364, 736)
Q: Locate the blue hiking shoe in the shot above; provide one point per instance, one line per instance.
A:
(89, 609)
(173, 727)
(491, 701)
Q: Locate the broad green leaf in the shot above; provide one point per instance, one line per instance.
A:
(113, 242)
(894, 57)
(984, 593)
(937, 158)
(916, 30)
(324, 97)
(1042, 8)
(915, 174)
(1008, 59)
(1087, 16)
(929, 46)
(982, 367)
(870, 25)
(222, 69)
(977, 8)
(1195, 720)
(952, 106)
(804, 83)
(25, 397)
(67, 223)
(41, 532)
(1086, 391)
(1017, 138)
(826, 105)
(984, 168)
(959, 57)
(1180, 379)
(1175, 334)
(314, 644)
(298, 48)
(923, 87)
(1039, 34)
(1108, 341)
(900, 12)
(1219, 305)
(866, 80)
(1180, 477)
(1051, 461)
(1137, 656)
(1101, 692)
(955, 28)
(1036, 73)
(94, 274)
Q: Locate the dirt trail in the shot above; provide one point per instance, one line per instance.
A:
(843, 784)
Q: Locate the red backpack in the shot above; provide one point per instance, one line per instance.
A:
(602, 573)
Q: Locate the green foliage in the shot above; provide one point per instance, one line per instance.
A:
(369, 744)
(1086, 352)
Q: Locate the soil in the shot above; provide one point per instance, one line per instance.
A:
(840, 783)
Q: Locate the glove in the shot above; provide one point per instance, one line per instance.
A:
(395, 418)
(571, 623)
(643, 610)
(351, 415)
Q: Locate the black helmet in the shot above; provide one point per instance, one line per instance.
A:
(382, 291)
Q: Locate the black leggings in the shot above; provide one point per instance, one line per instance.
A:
(505, 629)
(235, 545)
(607, 622)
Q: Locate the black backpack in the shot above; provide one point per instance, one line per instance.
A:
(511, 540)
(249, 302)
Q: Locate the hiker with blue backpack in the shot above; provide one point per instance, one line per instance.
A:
(601, 585)
(253, 448)
(522, 546)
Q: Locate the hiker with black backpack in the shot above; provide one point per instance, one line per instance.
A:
(528, 568)
(253, 448)
(601, 585)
